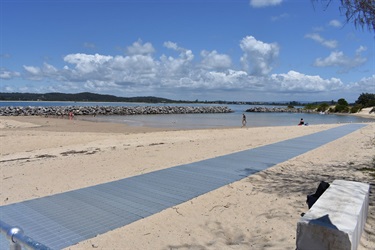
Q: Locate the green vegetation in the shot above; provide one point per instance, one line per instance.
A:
(319, 107)
(91, 97)
(323, 107)
(80, 97)
(366, 100)
(342, 106)
(355, 109)
(310, 106)
(360, 12)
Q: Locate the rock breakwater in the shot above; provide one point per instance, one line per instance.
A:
(280, 110)
(109, 110)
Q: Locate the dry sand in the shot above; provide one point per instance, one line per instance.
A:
(44, 156)
(366, 113)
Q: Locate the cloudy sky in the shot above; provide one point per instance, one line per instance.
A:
(233, 50)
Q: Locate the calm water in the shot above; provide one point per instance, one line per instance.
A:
(188, 121)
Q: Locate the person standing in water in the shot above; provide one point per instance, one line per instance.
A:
(243, 120)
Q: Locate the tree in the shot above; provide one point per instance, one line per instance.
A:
(360, 12)
(342, 106)
(342, 101)
(366, 100)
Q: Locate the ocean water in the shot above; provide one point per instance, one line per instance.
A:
(195, 121)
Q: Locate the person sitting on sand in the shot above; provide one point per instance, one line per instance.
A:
(301, 122)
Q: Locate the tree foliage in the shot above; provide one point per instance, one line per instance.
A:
(366, 100)
(79, 97)
(360, 12)
(342, 106)
(322, 107)
(342, 102)
(310, 106)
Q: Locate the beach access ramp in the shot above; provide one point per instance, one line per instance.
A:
(61, 220)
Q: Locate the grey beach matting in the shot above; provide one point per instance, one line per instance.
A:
(64, 219)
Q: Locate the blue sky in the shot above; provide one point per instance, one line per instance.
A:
(233, 50)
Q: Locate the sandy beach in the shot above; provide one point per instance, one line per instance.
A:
(45, 156)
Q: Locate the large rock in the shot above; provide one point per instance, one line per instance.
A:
(279, 110)
(337, 218)
(110, 110)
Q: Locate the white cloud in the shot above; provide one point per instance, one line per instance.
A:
(339, 59)
(360, 49)
(138, 48)
(264, 3)
(258, 56)
(366, 84)
(33, 73)
(170, 76)
(49, 69)
(46, 71)
(171, 45)
(32, 70)
(317, 38)
(214, 60)
(229, 79)
(87, 63)
(175, 67)
(295, 81)
(184, 53)
(7, 75)
(136, 63)
(335, 23)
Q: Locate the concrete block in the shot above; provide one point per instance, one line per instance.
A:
(337, 218)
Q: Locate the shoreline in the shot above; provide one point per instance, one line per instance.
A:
(46, 156)
(140, 126)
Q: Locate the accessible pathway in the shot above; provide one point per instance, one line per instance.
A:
(64, 219)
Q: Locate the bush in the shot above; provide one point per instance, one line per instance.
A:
(366, 100)
(342, 108)
(356, 108)
(322, 107)
(310, 106)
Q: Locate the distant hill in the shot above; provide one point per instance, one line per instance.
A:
(80, 97)
(92, 97)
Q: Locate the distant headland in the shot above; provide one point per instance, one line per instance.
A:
(93, 97)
